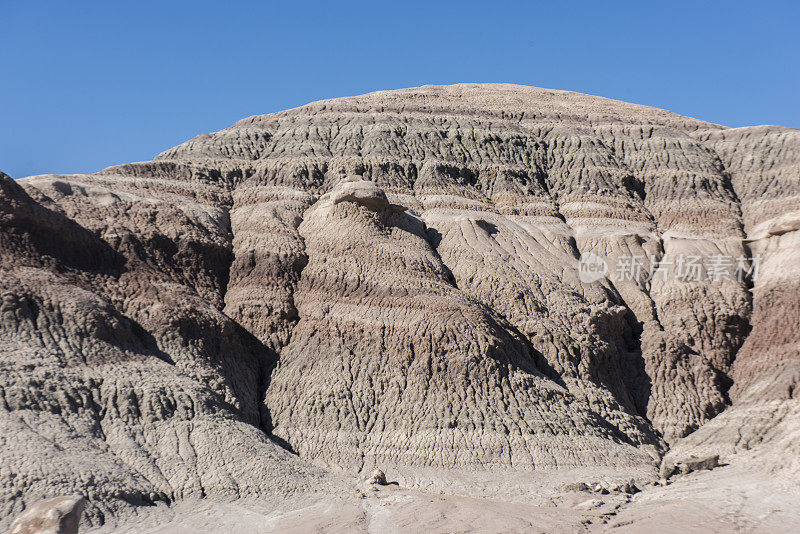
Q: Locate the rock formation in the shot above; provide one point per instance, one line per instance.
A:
(59, 515)
(394, 280)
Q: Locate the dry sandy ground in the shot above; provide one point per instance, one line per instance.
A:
(727, 499)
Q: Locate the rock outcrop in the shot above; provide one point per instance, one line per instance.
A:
(395, 280)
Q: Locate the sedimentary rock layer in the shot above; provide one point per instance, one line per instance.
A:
(395, 279)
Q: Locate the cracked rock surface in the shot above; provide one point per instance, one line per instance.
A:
(393, 280)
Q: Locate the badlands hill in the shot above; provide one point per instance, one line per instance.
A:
(393, 280)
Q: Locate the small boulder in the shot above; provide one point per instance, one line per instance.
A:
(667, 468)
(577, 486)
(693, 463)
(59, 515)
(378, 477)
(630, 488)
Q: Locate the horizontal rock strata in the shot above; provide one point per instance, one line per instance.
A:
(395, 279)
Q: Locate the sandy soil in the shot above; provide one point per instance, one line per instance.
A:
(728, 499)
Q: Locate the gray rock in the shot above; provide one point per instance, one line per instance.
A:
(667, 468)
(694, 463)
(577, 486)
(631, 488)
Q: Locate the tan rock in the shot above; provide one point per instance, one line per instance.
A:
(378, 477)
(58, 515)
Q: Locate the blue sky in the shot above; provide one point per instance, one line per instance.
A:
(90, 84)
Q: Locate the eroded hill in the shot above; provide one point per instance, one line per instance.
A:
(394, 280)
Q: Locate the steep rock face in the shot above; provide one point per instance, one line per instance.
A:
(391, 364)
(120, 382)
(622, 181)
(395, 279)
(688, 342)
(763, 163)
(763, 425)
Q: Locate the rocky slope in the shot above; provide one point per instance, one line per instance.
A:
(394, 279)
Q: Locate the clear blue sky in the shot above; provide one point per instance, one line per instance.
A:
(90, 84)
